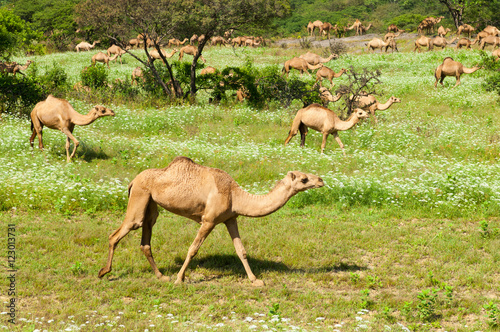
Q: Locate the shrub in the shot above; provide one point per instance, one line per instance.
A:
(95, 76)
(408, 22)
(55, 78)
(20, 93)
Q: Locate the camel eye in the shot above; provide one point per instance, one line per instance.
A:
(304, 180)
(103, 111)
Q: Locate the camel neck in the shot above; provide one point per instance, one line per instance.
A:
(346, 125)
(382, 107)
(250, 205)
(83, 119)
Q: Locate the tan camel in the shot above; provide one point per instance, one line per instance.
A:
(325, 72)
(58, 114)
(421, 27)
(310, 28)
(102, 57)
(218, 40)
(376, 43)
(496, 54)
(238, 41)
(14, 67)
(134, 42)
(326, 27)
(442, 31)
(191, 50)
(323, 120)
(492, 30)
(423, 41)
(391, 43)
(370, 103)
(327, 97)
(490, 40)
(449, 67)
(209, 196)
(317, 25)
(363, 29)
(390, 35)
(208, 70)
(137, 74)
(156, 56)
(465, 42)
(356, 25)
(300, 64)
(193, 40)
(176, 42)
(114, 49)
(465, 28)
(442, 42)
(394, 28)
(430, 22)
(84, 46)
(314, 59)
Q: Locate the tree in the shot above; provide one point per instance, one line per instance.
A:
(15, 34)
(457, 8)
(159, 20)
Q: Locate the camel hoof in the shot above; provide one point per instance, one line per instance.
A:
(179, 281)
(258, 283)
(102, 272)
(163, 278)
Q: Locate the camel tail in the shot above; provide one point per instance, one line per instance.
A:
(32, 126)
(130, 187)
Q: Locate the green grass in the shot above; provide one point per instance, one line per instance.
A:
(406, 228)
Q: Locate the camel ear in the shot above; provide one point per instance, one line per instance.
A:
(292, 175)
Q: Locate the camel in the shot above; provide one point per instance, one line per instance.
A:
(326, 27)
(208, 70)
(356, 25)
(430, 22)
(370, 103)
(376, 43)
(390, 35)
(300, 64)
(156, 56)
(314, 59)
(58, 114)
(423, 41)
(490, 40)
(449, 67)
(134, 42)
(102, 57)
(466, 28)
(491, 30)
(480, 36)
(218, 40)
(323, 120)
(84, 46)
(325, 72)
(391, 43)
(238, 41)
(496, 54)
(394, 28)
(327, 97)
(137, 74)
(363, 29)
(193, 40)
(114, 49)
(209, 196)
(176, 42)
(310, 28)
(442, 31)
(191, 50)
(442, 42)
(317, 25)
(14, 67)
(464, 42)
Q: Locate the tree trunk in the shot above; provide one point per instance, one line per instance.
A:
(201, 45)
(456, 9)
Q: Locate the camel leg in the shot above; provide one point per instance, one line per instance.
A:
(458, 81)
(374, 118)
(303, 133)
(204, 231)
(323, 144)
(290, 135)
(75, 142)
(232, 227)
(136, 209)
(147, 231)
(337, 138)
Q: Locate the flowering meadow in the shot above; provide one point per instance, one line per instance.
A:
(403, 236)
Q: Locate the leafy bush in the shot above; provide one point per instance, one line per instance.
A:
(95, 76)
(54, 78)
(408, 22)
(20, 93)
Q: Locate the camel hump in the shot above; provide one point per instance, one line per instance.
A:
(448, 57)
(182, 159)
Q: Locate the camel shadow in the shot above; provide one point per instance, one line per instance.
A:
(89, 153)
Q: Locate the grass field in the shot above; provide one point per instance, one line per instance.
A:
(404, 235)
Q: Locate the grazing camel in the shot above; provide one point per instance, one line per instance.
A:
(134, 42)
(423, 41)
(176, 42)
(465, 28)
(137, 74)
(327, 97)
(156, 56)
(394, 28)
(14, 67)
(323, 120)
(208, 70)
(114, 49)
(84, 46)
(356, 25)
(326, 27)
(442, 31)
(390, 35)
(314, 59)
(58, 114)
(191, 50)
(442, 42)
(465, 42)
(490, 40)
(376, 43)
(480, 36)
(449, 67)
(391, 44)
(218, 40)
(300, 64)
(430, 22)
(102, 57)
(363, 29)
(317, 25)
(370, 103)
(209, 196)
(325, 72)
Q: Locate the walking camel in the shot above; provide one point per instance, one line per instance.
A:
(314, 59)
(14, 67)
(323, 120)
(114, 49)
(58, 114)
(490, 40)
(300, 64)
(209, 196)
(370, 103)
(356, 26)
(449, 67)
(423, 41)
(84, 46)
(101, 57)
(329, 74)
(155, 55)
(377, 43)
(465, 28)
(442, 31)
(465, 42)
(176, 42)
(191, 50)
(442, 42)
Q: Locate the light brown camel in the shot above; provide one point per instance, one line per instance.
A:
(390, 35)
(208, 70)
(238, 41)
(449, 67)
(114, 49)
(492, 30)
(465, 42)
(156, 56)
(218, 40)
(137, 74)
(327, 97)
(356, 25)
(376, 43)
(423, 41)
(176, 42)
(329, 74)
(323, 120)
(14, 67)
(370, 103)
(58, 114)
(310, 28)
(490, 40)
(102, 57)
(421, 27)
(134, 42)
(394, 28)
(191, 50)
(480, 36)
(193, 40)
(391, 43)
(326, 27)
(314, 59)
(317, 25)
(465, 28)
(209, 196)
(363, 29)
(300, 64)
(442, 42)
(496, 54)
(442, 31)
(84, 46)
(430, 22)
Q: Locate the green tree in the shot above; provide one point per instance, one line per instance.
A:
(458, 8)
(15, 34)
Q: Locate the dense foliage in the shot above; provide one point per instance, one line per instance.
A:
(15, 34)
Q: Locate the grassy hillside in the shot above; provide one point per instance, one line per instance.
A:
(404, 234)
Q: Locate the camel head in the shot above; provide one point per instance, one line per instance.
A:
(299, 181)
(360, 114)
(100, 111)
(395, 100)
